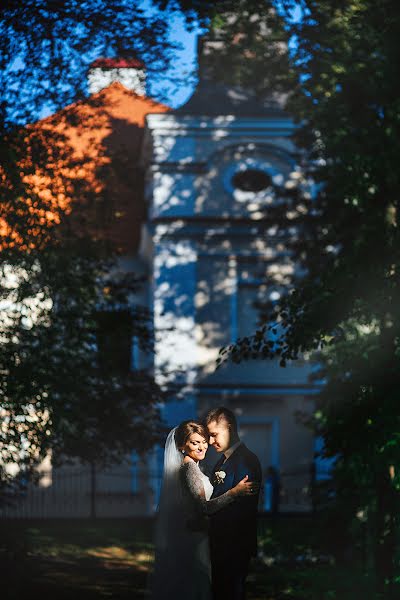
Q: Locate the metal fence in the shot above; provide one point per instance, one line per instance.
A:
(74, 493)
(70, 493)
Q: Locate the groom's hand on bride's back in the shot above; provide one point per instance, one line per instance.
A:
(246, 487)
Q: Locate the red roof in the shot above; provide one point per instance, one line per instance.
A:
(117, 63)
(94, 174)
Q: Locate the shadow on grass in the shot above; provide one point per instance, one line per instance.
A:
(305, 558)
(73, 559)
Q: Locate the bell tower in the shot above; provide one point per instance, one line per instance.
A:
(218, 252)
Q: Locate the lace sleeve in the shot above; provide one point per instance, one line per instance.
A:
(193, 485)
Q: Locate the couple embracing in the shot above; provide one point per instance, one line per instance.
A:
(207, 527)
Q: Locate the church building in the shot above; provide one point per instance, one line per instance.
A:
(190, 212)
(211, 166)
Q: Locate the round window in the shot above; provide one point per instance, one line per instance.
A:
(251, 180)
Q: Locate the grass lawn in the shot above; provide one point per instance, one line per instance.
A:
(73, 559)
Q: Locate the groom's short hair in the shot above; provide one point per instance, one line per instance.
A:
(222, 413)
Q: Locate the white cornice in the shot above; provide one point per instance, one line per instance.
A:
(171, 125)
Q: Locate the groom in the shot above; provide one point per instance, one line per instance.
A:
(233, 529)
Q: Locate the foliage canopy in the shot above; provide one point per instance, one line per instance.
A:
(345, 306)
(58, 280)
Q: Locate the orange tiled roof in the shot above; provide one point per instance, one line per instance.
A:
(92, 174)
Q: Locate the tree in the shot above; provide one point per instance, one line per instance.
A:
(242, 56)
(346, 101)
(66, 388)
(57, 392)
(46, 49)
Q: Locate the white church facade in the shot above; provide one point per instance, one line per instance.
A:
(210, 252)
(214, 254)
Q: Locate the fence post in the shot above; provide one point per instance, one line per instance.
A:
(92, 490)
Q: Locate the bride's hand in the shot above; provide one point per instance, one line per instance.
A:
(245, 487)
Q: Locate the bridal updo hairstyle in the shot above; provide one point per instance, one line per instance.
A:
(186, 429)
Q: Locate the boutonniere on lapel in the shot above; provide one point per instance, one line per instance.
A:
(220, 476)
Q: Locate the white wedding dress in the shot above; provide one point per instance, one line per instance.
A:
(182, 566)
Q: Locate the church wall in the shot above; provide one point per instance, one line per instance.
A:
(212, 252)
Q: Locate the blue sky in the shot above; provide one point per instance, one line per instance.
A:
(161, 87)
(185, 62)
(184, 65)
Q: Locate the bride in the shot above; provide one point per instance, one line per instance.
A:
(182, 564)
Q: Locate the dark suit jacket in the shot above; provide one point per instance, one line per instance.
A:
(233, 529)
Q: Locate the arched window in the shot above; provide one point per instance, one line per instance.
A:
(251, 180)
